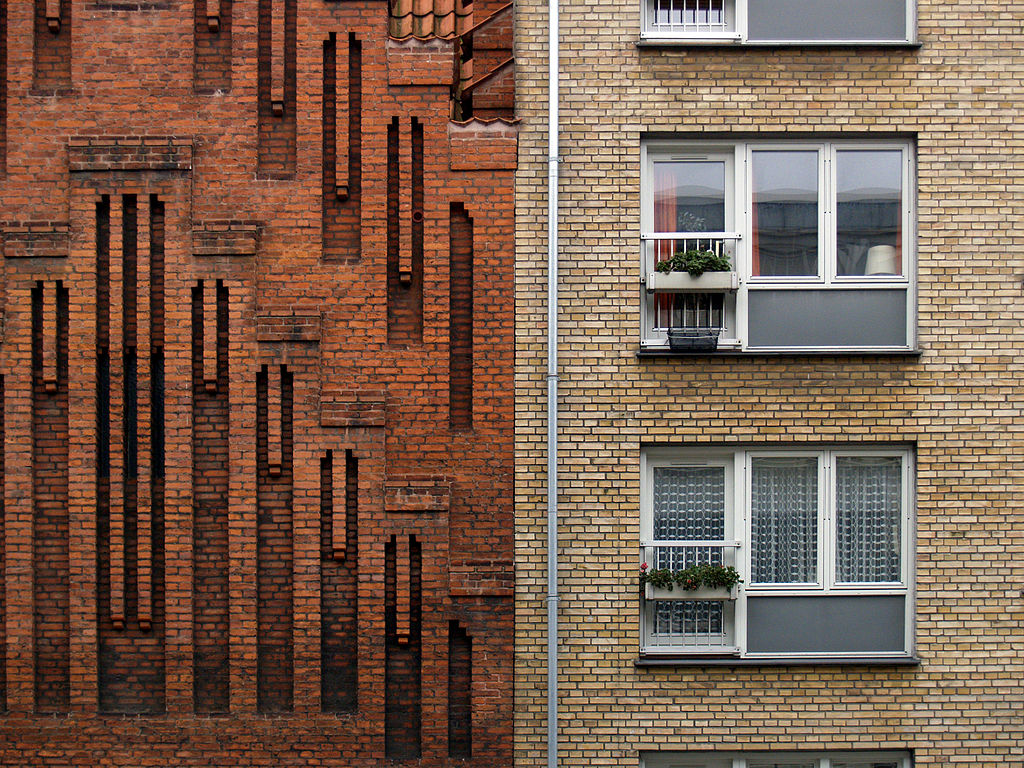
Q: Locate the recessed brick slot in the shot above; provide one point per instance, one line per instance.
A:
(460, 319)
(460, 698)
(342, 148)
(50, 578)
(130, 552)
(210, 416)
(212, 46)
(51, 50)
(405, 232)
(276, 88)
(402, 674)
(274, 547)
(339, 566)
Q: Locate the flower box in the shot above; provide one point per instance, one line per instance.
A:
(678, 593)
(693, 339)
(708, 282)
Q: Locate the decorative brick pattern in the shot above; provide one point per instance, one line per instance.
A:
(216, 422)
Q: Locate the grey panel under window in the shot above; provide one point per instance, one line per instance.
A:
(868, 317)
(827, 20)
(836, 624)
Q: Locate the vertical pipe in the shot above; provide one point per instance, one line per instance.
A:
(552, 382)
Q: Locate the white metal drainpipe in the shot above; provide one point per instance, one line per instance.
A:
(552, 381)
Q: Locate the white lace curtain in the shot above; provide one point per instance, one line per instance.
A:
(784, 520)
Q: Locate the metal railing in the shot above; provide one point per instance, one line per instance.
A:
(690, 17)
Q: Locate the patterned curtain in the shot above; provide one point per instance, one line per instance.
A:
(689, 504)
(784, 520)
(868, 499)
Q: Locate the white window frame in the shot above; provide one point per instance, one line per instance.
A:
(739, 205)
(743, 759)
(736, 30)
(737, 462)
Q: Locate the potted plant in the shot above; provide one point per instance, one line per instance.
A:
(694, 269)
(695, 582)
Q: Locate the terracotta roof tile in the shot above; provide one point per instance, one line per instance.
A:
(429, 18)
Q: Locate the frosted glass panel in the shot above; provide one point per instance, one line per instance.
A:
(820, 20)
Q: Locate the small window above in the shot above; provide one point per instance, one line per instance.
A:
(780, 22)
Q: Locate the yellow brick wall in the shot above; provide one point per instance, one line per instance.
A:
(960, 403)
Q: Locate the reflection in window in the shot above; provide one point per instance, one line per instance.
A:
(869, 205)
(785, 213)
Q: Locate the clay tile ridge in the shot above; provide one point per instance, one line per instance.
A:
(486, 122)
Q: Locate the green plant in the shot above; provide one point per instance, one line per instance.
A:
(694, 261)
(692, 577)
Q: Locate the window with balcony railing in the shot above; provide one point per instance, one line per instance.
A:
(780, 22)
(818, 236)
(820, 539)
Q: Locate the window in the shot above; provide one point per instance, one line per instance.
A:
(819, 235)
(860, 759)
(820, 538)
(780, 22)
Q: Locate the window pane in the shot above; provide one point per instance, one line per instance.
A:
(868, 518)
(688, 15)
(869, 206)
(689, 505)
(689, 196)
(784, 520)
(785, 213)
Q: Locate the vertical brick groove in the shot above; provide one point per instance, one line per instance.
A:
(274, 545)
(51, 50)
(51, 634)
(460, 692)
(212, 46)
(402, 673)
(342, 148)
(210, 416)
(405, 231)
(276, 87)
(339, 629)
(460, 318)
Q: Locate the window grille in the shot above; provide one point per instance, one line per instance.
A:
(694, 17)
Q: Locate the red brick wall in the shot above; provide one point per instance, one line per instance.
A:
(253, 496)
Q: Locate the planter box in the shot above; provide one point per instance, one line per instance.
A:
(678, 593)
(709, 282)
(693, 339)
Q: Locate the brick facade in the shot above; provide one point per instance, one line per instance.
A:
(256, 373)
(956, 405)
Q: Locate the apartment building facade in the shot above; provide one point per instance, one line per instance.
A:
(834, 413)
(256, 464)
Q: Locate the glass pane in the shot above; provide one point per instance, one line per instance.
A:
(868, 518)
(759, 764)
(784, 520)
(869, 206)
(785, 213)
(689, 505)
(689, 196)
(690, 15)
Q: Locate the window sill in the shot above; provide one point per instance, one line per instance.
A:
(666, 352)
(811, 661)
(682, 42)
